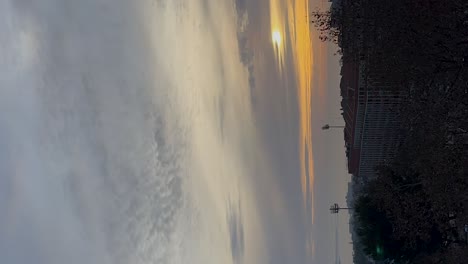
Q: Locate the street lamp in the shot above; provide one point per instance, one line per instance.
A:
(327, 126)
(335, 208)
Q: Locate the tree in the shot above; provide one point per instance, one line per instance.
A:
(420, 47)
(374, 230)
(328, 25)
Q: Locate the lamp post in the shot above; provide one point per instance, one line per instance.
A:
(335, 208)
(327, 126)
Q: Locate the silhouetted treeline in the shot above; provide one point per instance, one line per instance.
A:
(415, 210)
(412, 38)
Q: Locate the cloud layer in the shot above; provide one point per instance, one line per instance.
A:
(122, 130)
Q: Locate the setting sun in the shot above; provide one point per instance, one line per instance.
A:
(276, 37)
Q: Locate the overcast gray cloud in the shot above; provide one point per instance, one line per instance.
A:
(122, 129)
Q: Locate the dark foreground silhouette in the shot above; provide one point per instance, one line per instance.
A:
(415, 208)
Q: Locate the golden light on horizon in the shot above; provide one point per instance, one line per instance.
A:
(290, 19)
(276, 37)
(292, 42)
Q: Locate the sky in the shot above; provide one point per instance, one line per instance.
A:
(157, 131)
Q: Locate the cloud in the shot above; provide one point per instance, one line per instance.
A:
(119, 125)
(243, 20)
(236, 231)
(246, 53)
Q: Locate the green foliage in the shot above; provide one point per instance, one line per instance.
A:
(374, 231)
(395, 216)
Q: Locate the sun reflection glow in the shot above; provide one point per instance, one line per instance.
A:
(278, 32)
(276, 37)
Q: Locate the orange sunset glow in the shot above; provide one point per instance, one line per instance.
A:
(294, 17)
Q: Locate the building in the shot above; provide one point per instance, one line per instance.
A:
(370, 109)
